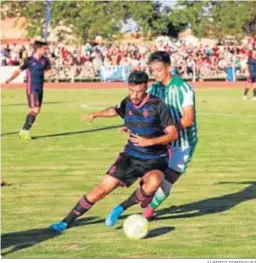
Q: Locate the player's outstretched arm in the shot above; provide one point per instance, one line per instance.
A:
(15, 74)
(49, 73)
(109, 112)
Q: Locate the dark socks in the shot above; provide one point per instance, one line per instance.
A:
(246, 91)
(31, 117)
(136, 197)
(82, 206)
(254, 93)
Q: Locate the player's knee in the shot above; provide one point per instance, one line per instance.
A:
(155, 178)
(31, 112)
(35, 111)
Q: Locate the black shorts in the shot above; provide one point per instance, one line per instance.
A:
(35, 99)
(252, 79)
(127, 169)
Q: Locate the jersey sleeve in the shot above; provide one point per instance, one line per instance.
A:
(120, 109)
(164, 115)
(25, 65)
(188, 98)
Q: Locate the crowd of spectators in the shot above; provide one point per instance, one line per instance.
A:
(85, 61)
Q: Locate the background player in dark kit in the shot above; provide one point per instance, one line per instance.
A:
(35, 67)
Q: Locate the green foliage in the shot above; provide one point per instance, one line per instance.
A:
(87, 19)
(33, 11)
(154, 18)
(215, 19)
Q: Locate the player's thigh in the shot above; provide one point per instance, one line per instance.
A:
(106, 186)
(35, 101)
(249, 82)
(31, 100)
(253, 81)
(153, 169)
(125, 170)
(109, 183)
(40, 97)
(180, 158)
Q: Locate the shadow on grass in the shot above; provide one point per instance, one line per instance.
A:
(209, 206)
(77, 132)
(24, 239)
(159, 231)
(9, 133)
(15, 241)
(66, 133)
(87, 221)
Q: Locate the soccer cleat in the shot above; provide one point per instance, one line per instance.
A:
(114, 215)
(59, 227)
(148, 212)
(3, 183)
(24, 134)
(244, 98)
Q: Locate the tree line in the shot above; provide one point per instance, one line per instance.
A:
(87, 19)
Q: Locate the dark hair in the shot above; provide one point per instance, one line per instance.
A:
(138, 77)
(160, 56)
(38, 44)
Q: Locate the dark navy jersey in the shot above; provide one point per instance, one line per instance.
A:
(148, 120)
(35, 72)
(252, 66)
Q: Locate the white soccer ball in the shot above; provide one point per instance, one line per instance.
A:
(135, 227)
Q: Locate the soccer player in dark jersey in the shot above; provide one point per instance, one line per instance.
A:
(150, 128)
(251, 76)
(179, 97)
(35, 67)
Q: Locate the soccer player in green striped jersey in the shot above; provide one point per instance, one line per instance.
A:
(180, 99)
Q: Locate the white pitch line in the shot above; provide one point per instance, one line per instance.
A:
(95, 105)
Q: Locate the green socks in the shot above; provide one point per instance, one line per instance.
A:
(161, 194)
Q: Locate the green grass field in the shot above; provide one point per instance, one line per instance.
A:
(216, 198)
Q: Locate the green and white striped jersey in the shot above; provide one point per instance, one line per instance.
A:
(177, 95)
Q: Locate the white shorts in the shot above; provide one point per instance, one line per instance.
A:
(180, 157)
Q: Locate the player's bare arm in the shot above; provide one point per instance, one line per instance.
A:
(109, 112)
(171, 135)
(187, 116)
(49, 73)
(187, 119)
(15, 74)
